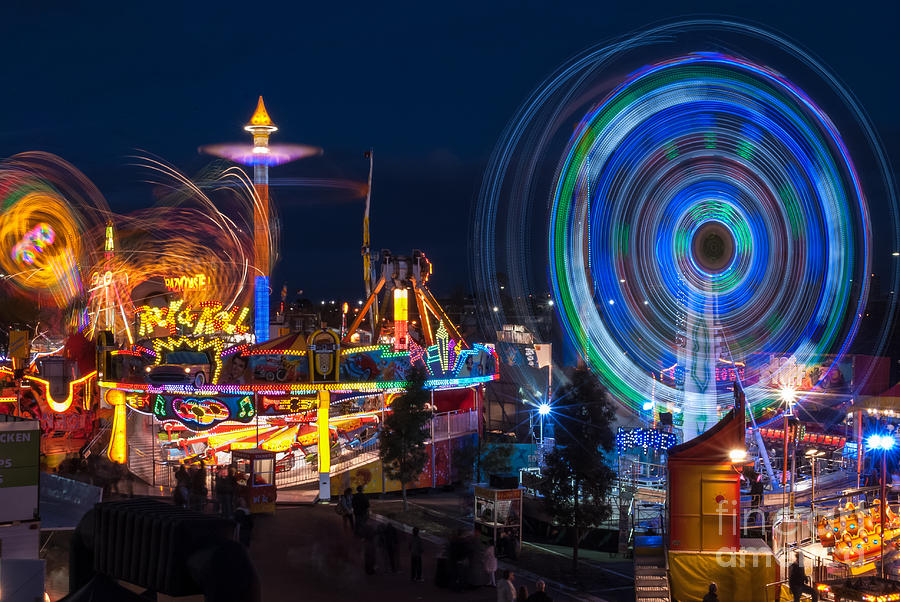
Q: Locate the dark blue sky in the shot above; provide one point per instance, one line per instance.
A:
(429, 86)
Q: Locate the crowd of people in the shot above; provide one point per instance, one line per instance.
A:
(97, 470)
(191, 491)
(465, 562)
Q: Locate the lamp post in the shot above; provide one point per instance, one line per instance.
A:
(737, 456)
(814, 455)
(788, 396)
(884, 443)
(543, 410)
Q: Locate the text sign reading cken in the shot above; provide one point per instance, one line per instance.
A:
(20, 446)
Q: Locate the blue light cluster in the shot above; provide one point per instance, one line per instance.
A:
(261, 309)
(628, 439)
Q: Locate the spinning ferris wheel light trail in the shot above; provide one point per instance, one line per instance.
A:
(711, 186)
(705, 211)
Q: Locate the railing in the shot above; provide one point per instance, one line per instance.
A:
(160, 472)
(642, 495)
(451, 424)
(103, 432)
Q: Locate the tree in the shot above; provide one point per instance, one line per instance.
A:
(576, 478)
(494, 459)
(477, 461)
(403, 434)
(464, 458)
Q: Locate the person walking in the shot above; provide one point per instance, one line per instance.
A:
(244, 521)
(224, 490)
(506, 589)
(218, 479)
(182, 487)
(490, 565)
(198, 488)
(230, 489)
(345, 509)
(389, 543)
(540, 594)
(415, 556)
(798, 582)
(360, 510)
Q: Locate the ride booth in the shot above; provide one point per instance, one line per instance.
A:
(498, 519)
(255, 470)
(704, 543)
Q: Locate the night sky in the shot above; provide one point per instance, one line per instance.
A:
(429, 86)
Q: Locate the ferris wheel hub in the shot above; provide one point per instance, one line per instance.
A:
(712, 247)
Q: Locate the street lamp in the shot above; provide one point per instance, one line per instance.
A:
(884, 443)
(543, 410)
(788, 396)
(813, 455)
(737, 455)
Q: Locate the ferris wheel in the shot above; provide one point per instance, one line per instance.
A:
(705, 215)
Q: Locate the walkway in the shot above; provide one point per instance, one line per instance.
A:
(305, 553)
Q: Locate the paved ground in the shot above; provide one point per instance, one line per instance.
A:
(305, 551)
(600, 574)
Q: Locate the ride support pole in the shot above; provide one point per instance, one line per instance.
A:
(324, 450)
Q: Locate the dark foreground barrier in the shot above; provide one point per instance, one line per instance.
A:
(161, 548)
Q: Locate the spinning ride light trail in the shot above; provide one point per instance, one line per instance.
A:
(45, 207)
(705, 209)
(58, 239)
(718, 192)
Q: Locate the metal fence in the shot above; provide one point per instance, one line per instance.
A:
(453, 424)
(142, 451)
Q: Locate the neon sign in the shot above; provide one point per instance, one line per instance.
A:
(35, 241)
(99, 280)
(197, 282)
(201, 413)
(727, 374)
(161, 346)
(208, 319)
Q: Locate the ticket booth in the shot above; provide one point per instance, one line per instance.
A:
(255, 472)
(498, 518)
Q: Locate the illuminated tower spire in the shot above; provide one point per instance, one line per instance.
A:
(261, 155)
(261, 127)
(110, 299)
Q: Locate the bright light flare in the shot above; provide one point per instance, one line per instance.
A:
(272, 155)
(882, 442)
(788, 395)
(544, 409)
(737, 455)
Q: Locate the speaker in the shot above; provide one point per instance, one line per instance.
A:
(497, 481)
